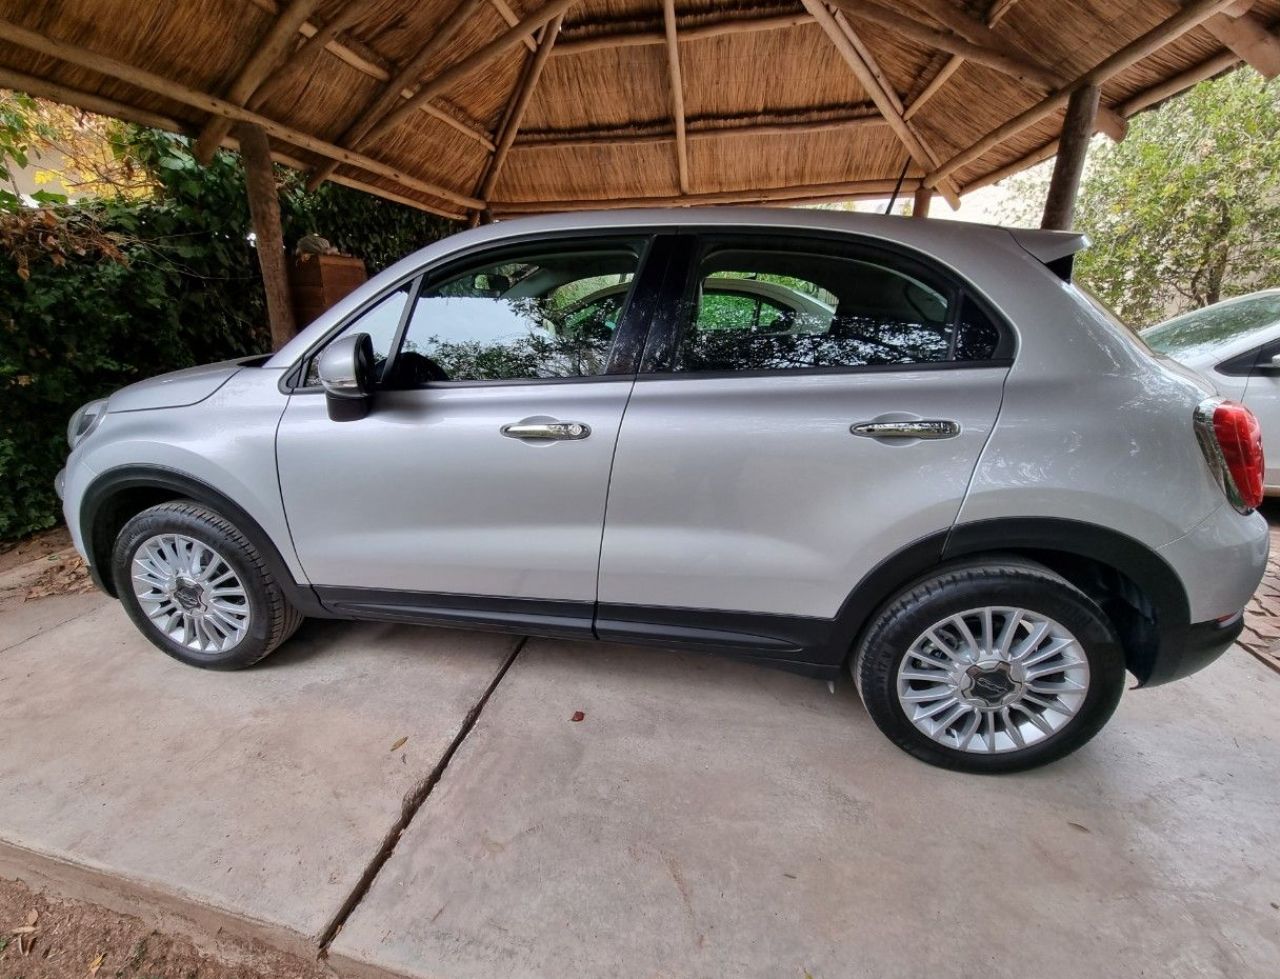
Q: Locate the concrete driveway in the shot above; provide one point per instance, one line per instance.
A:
(420, 802)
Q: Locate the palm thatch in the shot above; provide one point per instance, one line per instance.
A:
(506, 106)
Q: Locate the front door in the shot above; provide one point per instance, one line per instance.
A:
(477, 482)
(815, 408)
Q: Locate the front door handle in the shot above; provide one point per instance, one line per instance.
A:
(925, 429)
(549, 431)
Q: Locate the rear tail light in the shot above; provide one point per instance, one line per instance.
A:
(1231, 439)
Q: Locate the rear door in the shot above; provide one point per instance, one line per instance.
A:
(766, 464)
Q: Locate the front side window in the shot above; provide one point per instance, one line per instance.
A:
(536, 314)
(380, 321)
(789, 310)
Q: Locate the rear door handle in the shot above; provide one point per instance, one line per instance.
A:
(932, 428)
(551, 431)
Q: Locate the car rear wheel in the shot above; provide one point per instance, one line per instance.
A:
(198, 588)
(990, 667)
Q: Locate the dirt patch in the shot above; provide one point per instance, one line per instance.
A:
(68, 576)
(43, 938)
(15, 553)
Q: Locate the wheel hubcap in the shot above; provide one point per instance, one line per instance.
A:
(189, 592)
(993, 679)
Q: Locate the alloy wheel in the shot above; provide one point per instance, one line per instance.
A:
(190, 594)
(992, 680)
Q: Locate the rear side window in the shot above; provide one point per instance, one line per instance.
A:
(781, 309)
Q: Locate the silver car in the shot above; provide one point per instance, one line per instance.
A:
(1235, 343)
(936, 466)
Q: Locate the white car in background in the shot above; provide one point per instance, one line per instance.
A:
(1236, 344)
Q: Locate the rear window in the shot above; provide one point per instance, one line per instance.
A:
(1204, 330)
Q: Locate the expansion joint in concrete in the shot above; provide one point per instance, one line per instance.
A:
(412, 803)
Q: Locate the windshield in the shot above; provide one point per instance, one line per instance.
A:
(1204, 330)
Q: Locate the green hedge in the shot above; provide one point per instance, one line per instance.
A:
(97, 295)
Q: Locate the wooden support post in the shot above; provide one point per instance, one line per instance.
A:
(920, 207)
(1073, 145)
(264, 209)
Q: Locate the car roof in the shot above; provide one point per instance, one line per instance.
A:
(1045, 245)
(976, 251)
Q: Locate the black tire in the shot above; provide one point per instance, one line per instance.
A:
(272, 619)
(1004, 582)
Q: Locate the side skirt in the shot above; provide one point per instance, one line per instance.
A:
(795, 643)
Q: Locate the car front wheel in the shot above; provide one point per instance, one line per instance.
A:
(198, 588)
(990, 667)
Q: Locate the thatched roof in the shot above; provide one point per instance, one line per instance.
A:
(445, 104)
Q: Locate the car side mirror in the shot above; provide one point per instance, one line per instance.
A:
(346, 374)
(1274, 362)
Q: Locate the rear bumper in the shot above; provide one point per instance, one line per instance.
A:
(1190, 649)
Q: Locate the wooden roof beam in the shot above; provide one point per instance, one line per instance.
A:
(506, 13)
(765, 124)
(885, 99)
(736, 25)
(980, 32)
(270, 51)
(320, 40)
(393, 91)
(1249, 38)
(109, 107)
(677, 94)
(848, 190)
(204, 102)
(1195, 13)
(324, 39)
(518, 106)
(947, 40)
(1220, 62)
(994, 16)
(482, 56)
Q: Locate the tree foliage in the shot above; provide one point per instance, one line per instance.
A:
(1186, 210)
(108, 290)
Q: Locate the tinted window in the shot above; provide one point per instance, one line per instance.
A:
(977, 336)
(380, 321)
(815, 310)
(536, 314)
(1204, 329)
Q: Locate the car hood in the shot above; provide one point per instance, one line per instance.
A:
(178, 388)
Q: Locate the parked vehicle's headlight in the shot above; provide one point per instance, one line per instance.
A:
(85, 420)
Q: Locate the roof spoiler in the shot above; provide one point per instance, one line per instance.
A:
(1056, 249)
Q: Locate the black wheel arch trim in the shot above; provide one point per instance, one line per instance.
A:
(109, 484)
(1148, 571)
(1137, 561)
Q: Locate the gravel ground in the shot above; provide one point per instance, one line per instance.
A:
(42, 938)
